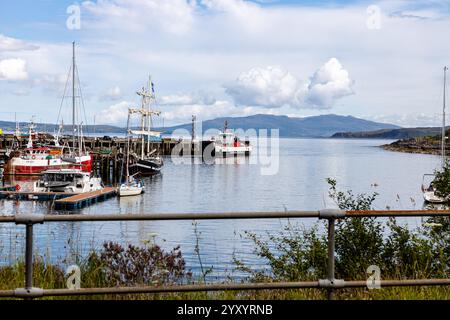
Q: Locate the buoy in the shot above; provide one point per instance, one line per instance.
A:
(17, 187)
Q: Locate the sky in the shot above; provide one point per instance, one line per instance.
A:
(378, 60)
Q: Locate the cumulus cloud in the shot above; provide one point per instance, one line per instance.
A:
(11, 44)
(330, 83)
(115, 114)
(13, 69)
(273, 87)
(266, 87)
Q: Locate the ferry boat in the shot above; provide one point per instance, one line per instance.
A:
(228, 144)
(67, 181)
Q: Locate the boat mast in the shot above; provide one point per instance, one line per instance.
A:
(143, 124)
(128, 147)
(73, 96)
(443, 119)
(149, 119)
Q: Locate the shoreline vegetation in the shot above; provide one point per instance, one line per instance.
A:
(295, 253)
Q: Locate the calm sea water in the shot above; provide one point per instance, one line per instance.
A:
(304, 164)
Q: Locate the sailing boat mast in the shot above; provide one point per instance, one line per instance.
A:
(73, 96)
(143, 123)
(443, 119)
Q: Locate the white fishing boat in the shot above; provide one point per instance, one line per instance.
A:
(428, 189)
(227, 143)
(33, 160)
(67, 181)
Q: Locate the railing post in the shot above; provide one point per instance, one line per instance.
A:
(331, 248)
(331, 283)
(29, 220)
(29, 256)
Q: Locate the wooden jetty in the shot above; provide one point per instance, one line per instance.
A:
(24, 195)
(84, 199)
(62, 200)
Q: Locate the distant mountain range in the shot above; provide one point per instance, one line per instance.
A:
(9, 126)
(402, 133)
(316, 126)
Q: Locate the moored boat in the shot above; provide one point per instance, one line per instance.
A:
(430, 193)
(148, 163)
(67, 181)
(227, 143)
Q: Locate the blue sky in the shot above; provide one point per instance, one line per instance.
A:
(228, 57)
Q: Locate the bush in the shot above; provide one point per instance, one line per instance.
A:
(139, 266)
(298, 254)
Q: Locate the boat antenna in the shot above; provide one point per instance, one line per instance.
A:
(443, 119)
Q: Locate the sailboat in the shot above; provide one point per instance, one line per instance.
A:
(428, 190)
(78, 156)
(150, 163)
(131, 186)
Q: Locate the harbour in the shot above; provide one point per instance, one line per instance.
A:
(304, 166)
(235, 150)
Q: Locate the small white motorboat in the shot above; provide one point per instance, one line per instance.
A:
(429, 192)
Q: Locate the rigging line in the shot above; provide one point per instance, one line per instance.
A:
(64, 94)
(82, 99)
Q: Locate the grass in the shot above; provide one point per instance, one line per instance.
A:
(52, 277)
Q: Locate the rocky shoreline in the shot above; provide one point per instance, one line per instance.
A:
(423, 145)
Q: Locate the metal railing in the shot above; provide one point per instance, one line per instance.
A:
(330, 284)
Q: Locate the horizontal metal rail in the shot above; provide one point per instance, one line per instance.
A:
(330, 284)
(217, 287)
(324, 214)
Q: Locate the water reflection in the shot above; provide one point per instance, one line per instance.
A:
(239, 186)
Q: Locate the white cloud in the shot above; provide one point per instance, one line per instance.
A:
(273, 87)
(266, 87)
(188, 45)
(114, 93)
(220, 108)
(11, 44)
(115, 114)
(51, 82)
(330, 83)
(200, 98)
(173, 16)
(13, 69)
(409, 120)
